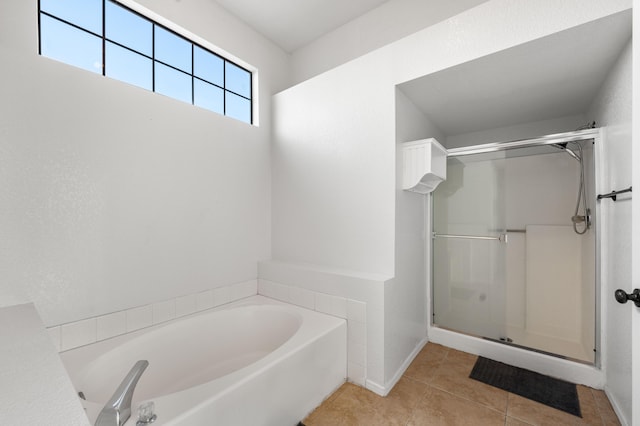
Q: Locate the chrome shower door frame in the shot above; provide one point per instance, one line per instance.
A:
(597, 135)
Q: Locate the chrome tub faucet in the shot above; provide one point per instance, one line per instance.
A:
(118, 409)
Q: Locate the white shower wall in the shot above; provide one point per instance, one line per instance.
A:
(553, 283)
(547, 280)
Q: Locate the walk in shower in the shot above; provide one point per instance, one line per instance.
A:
(514, 244)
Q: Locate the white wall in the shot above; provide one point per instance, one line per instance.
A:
(635, 328)
(333, 181)
(612, 109)
(334, 135)
(405, 295)
(383, 25)
(412, 124)
(114, 197)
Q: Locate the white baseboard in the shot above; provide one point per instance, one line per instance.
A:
(375, 388)
(384, 390)
(616, 407)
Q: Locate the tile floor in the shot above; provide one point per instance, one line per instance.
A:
(436, 390)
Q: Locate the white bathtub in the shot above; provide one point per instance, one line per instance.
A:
(253, 362)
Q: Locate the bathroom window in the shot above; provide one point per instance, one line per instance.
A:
(105, 37)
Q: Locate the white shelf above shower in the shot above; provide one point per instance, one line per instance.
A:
(424, 165)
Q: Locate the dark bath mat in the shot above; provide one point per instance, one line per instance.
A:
(528, 384)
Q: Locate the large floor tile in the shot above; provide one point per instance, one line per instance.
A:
(403, 398)
(588, 407)
(438, 407)
(453, 376)
(325, 415)
(461, 360)
(605, 409)
(357, 406)
(534, 413)
(426, 363)
(515, 422)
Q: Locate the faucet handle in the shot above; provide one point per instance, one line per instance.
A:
(146, 413)
(117, 410)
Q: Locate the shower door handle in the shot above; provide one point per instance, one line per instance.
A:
(503, 238)
(623, 297)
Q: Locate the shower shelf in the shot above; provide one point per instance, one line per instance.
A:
(424, 165)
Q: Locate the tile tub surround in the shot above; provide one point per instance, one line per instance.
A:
(354, 311)
(91, 330)
(436, 389)
(310, 283)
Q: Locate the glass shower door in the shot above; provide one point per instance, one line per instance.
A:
(469, 249)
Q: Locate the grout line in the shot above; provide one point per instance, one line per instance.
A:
(234, 296)
(418, 400)
(467, 399)
(461, 396)
(595, 403)
(506, 410)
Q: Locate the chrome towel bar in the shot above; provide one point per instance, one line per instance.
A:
(614, 194)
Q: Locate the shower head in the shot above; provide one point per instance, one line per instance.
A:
(573, 154)
(563, 146)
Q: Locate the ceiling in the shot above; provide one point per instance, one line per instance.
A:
(552, 77)
(292, 24)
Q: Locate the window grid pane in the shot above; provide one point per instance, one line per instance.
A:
(172, 49)
(70, 45)
(128, 29)
(173, 83)
(237, 80)
(208, 66)
(128, 66)
(208, 96)
(165, 62)
(238, 107)
(85, 14)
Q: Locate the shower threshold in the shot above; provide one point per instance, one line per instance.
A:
(539, 351)
(521, 346)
